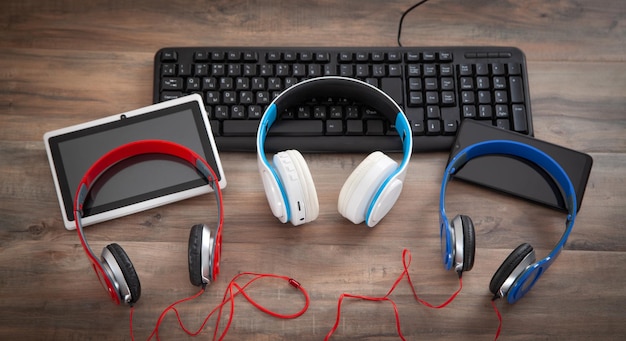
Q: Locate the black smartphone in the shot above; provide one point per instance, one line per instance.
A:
(518, 177)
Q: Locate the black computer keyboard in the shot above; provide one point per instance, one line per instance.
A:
(438, 87)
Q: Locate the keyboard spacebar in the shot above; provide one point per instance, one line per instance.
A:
(297, 128)
(282, 128)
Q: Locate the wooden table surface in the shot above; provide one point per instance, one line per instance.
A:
(64, 62)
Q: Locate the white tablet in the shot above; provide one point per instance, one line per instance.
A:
(141, 182)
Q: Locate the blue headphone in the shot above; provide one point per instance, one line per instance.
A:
(370, 191)
(520, 270)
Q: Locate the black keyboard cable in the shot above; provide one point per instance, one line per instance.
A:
(402, 18)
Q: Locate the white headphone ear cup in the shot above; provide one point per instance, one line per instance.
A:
(301, 193)
(357, 192)
(308, 185)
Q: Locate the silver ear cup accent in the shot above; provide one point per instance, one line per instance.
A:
(459, 247)
(113, 270)
(207, 254)
(528, 260)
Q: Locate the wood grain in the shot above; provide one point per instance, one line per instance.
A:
(64, 62)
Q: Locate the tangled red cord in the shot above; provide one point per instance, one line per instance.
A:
(406, 262)
(232, 290)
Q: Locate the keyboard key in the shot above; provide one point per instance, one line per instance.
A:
(517, 91)
(394, 70)
(394, 56)
(485, 112)
(465, 70)
(450, 127)
(497, 69)
(322, 57)
(255, 112)
(169, 56)
(514, 68)
(354, 127)
(306, 57)
(503, 123)
(172, 83)
(415, 98)
(184, 69)
(433, 112)
(233, 56)
(237, 112)
(345, 57)
(502, 111)
(467, 83)
(447, 98)
(375, 127)
(168, 70)
(334, 127)
(217, 56)
(290, 56)
(499, 83)
(469, 111)
(193, 84)
(413, 56)
(519, 118)
(415, 83)
(417, 128)
(393, 88)
(445, 56)
(250, 56)
(167, 95)
(433, 127)
(447, 83)
(220, 112)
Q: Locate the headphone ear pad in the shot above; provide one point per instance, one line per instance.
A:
(128, 271)
(298, 183)
(508, 266)
(469, 243)
(358, 191)
(195, 255)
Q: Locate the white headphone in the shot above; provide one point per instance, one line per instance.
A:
(373, 187)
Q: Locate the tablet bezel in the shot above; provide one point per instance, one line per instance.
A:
(126, 206)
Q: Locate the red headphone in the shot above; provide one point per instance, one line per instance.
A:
(115, 270)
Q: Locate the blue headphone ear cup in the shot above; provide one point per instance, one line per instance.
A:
(195, 255)
(130, 277)
(508, 267)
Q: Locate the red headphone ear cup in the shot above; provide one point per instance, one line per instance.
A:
(508, 266)
(195, 255)
(128, 271)
(469, 243)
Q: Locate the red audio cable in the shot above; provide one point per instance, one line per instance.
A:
(406, 261)
(233, 289)
(495, 308)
